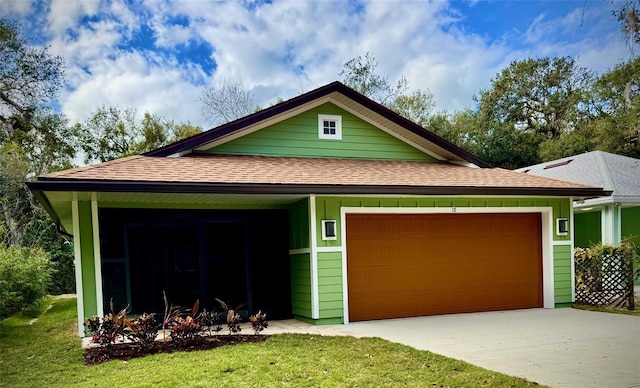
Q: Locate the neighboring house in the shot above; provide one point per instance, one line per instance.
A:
(606, 219)
(328, 207)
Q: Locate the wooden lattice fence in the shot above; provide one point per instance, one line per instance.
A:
(604, 276)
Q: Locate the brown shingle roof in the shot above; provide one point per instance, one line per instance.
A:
(229, 169)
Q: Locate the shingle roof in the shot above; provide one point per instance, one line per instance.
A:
(260, 170)
(616, 173)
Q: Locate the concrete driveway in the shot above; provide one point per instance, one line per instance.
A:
(557, 347)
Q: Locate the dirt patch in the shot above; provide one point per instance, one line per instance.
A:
(127, 351)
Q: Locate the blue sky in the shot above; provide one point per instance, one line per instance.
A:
(157, 55)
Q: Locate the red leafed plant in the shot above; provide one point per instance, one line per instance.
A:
(258, 322)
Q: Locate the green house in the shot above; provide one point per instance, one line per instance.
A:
(328, 208)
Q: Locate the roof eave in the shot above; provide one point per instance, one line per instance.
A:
(265, 188)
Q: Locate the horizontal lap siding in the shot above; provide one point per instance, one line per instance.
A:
(328, 208)
(301, 285)
(562, 273)
(330, 284)
(298, 137)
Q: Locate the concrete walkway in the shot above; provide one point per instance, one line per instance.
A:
(561, 347)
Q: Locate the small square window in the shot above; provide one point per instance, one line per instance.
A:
(330, 127)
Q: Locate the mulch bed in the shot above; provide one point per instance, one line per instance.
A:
(127, 351)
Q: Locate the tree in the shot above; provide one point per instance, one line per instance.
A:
(359, 74)
(30, 78)
(499, 144)
(227, 101)
(614, 125)
(629, 18)
(15, 199)
(184, 130)
(545, 96)
(109, 133)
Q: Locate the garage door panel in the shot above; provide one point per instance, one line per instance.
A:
(411, 265)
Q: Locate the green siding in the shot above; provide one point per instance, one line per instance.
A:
(562, 273)
(88, 268)
(298, 137)
(330, 298)
(299, 224)
(329, 263)
(630, 221)
(630, 226)
(328, 208)
(301, 285)
(587, 228)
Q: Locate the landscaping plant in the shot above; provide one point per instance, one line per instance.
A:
(24, 276)
(105, 331)
(258, 322)
(210, 321)
(142, 330)
(233, 319)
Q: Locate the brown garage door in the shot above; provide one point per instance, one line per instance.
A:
(427, 264)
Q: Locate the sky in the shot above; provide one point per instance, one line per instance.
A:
(157, 56)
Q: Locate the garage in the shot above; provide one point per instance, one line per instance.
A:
(404, 265)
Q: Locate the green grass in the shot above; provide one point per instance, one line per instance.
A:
(48, 354)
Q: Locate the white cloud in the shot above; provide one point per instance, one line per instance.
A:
(130, 82)
(64, 14)
(16, 7)
(283, 48)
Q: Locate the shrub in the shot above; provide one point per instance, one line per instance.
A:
(106, 331)
(142, 330)
(210, 321)
(184, 330)
(258, 322)
(24, 276)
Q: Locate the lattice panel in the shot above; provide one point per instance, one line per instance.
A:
(604, 281)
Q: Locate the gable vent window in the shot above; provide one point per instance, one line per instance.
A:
(330, 127)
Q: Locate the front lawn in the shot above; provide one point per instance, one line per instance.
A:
(48, 354)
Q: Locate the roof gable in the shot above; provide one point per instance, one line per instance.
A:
(341, 96)
(298, 137)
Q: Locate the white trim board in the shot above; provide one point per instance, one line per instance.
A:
(315, 293)
(547, 230)
(329, 249)
(77, 258)
(95, 226)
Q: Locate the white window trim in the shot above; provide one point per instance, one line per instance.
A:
(338, 121)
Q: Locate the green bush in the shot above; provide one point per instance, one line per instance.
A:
(24, 276)
(63, 280)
